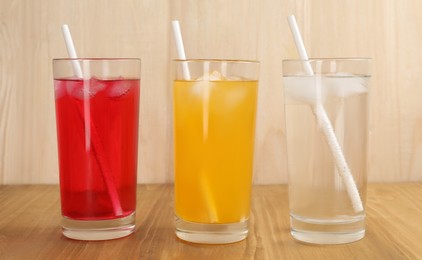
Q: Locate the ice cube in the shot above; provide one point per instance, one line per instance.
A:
(85, 89)
(300, 88)
(345, 84)
(304, 88)
(59, 88)
(118, 89)
(73, 86)
(202, 84)
(199, 87)
(215, 75)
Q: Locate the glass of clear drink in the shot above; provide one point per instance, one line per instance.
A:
(326, 110)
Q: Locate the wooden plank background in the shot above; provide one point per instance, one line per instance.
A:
(388, 31)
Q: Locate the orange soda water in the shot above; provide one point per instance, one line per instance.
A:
(214, 126)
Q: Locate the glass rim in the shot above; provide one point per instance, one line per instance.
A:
(330, 59)
(97, 59)
(217, 60)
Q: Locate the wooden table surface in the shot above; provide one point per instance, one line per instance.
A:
(30, 228)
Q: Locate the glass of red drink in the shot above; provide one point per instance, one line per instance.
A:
(97, 111)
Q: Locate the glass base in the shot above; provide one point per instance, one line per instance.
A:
(211, 233)
(327, 232)
(98, 229)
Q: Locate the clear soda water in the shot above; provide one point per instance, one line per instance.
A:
(320, 207)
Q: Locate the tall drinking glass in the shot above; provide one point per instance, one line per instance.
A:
(214, 131)
(97, 131)
(327, 132)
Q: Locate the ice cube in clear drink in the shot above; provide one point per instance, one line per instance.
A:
(345, 84)
(301, 88)
(305, 87)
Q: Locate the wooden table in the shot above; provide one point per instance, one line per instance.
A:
(30, 219)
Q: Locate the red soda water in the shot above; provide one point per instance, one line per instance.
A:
(97, 128)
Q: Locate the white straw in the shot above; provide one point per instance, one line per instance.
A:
(90, 128)
(212, 210)
(71, 51)
(180, 48)
(327, 128)
(299, 43)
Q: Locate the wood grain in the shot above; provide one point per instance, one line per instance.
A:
(30, 228)
(388, 31)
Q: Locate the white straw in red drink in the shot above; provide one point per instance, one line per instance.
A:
(95, 139)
